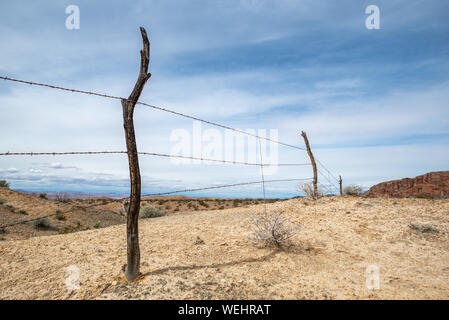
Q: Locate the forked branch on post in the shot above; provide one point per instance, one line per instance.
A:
(312, 160)
(132, 269)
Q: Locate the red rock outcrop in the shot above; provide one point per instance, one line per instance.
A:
(429, 185)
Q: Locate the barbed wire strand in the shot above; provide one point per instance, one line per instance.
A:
(327, 189)
(77, 207)
(328, 171)
(148, 105)
(263, 179)
(333, 185)
(150, 154)
(217, 187)
(326, 178)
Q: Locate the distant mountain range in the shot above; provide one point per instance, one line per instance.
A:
(81, 195)
(76, 195)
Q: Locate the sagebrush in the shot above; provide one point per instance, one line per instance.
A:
(42, 223)
(308, 190)
(4, 184)
(353, 190)
(150, 212)
(272, 228)
(60, 216)
(62, 197)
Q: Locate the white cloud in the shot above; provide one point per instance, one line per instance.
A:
(331, 101)
(9, 170)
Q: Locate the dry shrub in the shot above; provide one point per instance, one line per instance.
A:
(353, 190)
(272, 228)
(308, 190)
(42, 223)
(150, 212)
(4, 184)
(62, 197)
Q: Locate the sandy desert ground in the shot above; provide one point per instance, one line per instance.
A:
(339, 238)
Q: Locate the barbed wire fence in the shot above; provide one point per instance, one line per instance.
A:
(329, 187)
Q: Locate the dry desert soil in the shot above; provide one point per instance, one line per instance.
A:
(209, 254)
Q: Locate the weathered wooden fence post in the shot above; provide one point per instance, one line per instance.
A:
(132, 269)
(312, 160)
(341, 185)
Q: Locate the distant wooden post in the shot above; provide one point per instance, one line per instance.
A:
(132, 269)
(341, 185)
(312, 160)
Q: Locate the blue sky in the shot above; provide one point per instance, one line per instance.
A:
(373, 102)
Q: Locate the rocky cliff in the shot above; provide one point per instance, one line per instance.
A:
(429, 185)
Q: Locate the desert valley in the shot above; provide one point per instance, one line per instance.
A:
(209, 253)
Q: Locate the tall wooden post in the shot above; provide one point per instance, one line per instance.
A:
(312, 160)
(132, 269)
(341, 185)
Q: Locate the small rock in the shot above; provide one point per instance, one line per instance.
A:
(114, 283)
(162, 282)
(359, 203)
(198, 240)
(99, 250)
(423, 228)
(62, 247)
(320, 243)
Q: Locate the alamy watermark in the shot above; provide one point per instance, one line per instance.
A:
(228, 146)
(373, 20)
(72, 282)
(73, 20)
(372, 277)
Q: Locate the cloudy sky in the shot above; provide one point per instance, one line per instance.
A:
(374, 103)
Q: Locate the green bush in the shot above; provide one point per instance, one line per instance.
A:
(204, 204)
(353, 190)
(150, 212)
(43, 195)
(42, 223)
(2, 201)
(97, 225)
(60, 216)
(4, 184)
(21, 211)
